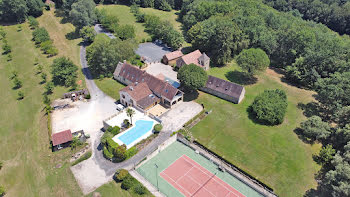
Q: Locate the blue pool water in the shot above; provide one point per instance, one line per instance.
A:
(141, 127)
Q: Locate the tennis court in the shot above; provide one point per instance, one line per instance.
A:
(179, 171)
(191, 179)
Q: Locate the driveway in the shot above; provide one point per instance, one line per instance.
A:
(100, 30)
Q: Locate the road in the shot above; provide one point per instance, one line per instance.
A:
(97, 170)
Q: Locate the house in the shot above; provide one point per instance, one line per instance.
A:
(61, 139)
(143, 90)
(195, 57)
(224, 89)
(170, 58)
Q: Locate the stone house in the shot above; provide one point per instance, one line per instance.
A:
(61, 139)
(224, 89)
(195, 57)
(143, 90)
(171, 58)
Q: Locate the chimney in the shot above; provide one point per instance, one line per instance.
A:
(131, 88)
(124, 61)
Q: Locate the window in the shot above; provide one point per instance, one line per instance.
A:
(123, 96)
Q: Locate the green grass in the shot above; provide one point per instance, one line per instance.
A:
(112, 189)
(274, 155)
(82, 158)
(122, 12)
(109, 86)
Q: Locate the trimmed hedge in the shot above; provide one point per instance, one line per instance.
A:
(107, 154)
(158, 128)
(128, 182)
(120, 175)
(86, 156)
(140, 189)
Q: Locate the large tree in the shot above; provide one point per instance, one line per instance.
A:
(192, 77)
(253, 61)
(35, 7)
(13, 10)
(104, 54)
(82, 13)
(64, 72)
(315, 129)
(270, 107)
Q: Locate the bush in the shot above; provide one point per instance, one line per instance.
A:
(107, 154)
(88, 96)
(49, 88)
(17, 83)
(131, 152)
(20, 95)
(6, 48)
(111, 145)
(2, 191)
(40, 35)
(140, 189)
(120, 153)
(105, 136)
(158, 128)
(33, 23)
(1, 164)
(121, 175)
(128, 182)
(270, 107)
(115, 130)
(86, 156)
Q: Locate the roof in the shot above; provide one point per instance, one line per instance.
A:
(204, 57)
(173, 55)
(147, 101)
(61, 137)
(137, 91)
(157, 86)
(192, 58)
(225, 87)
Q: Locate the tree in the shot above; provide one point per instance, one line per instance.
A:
(35, 7)
(43, 77)
(20, 95)
(192, 77)
(2, 191)
(88, 34)
(6, 48)
(75, 143)
(125, 32)
(40, 35)
(315, 129)
(253, 61)
(158, 128)
(63, 71)
(13, 10)
(130, 112)
(49, 88)
(104, 54)
(33, 23)
(82, 13)
(17, 83)
(120, 153)
(67, 6)
(120, 175)
(46, 99)
(326, 154)
(270, 107)
(108, 21)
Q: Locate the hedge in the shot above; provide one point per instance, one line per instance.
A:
(86, 156)
(111, 144)
(121, 175)
(158, 128)
(128, 182)
(140, 189)
(107, 154)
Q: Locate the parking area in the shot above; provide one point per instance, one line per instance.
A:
(152, 52)
(181, 113)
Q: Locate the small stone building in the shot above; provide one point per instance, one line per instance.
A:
(195, 57)
(61, 139)
(170, 58)
(224, 89)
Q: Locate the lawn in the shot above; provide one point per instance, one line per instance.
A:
(122, 12)
(273, 154)
(109, 86)
(112, 189)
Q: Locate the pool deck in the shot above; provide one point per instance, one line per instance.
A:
(118, 121)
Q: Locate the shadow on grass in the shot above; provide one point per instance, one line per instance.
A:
(72, 35)
(60, 13)
(310, 109)
(300, 135)
(190, 96)
(240, 78)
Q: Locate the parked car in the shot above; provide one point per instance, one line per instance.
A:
(120, 107)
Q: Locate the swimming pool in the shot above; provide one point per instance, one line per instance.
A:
(141, 130)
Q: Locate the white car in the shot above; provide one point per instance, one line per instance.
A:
(120, 107)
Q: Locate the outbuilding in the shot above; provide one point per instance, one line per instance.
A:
(170, 58)
(61, 139)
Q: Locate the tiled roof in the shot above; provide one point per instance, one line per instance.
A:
(173, 55)
(137, 91)
(225, 87)
(192, 58)
(157, 86)
(61, 137)
(147, 101)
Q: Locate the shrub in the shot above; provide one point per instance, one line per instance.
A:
(120, 153)
(107, 154)
(40, 35)
(270, 107)
(6, 48)
(88, 96)
(131, 152)
(33, 23)
(20, 95)
(140, 189)
(86, 156)
(1, 164)
(17, 83)
(2, 191)
(104, 138)
(9, 57)
(46, 99)
(75, 143)
(128, 182)
(158, 128)
(115, 130)
(121, 175)
(111, 144)
(49, 88)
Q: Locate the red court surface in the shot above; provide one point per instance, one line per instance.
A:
(191, 179)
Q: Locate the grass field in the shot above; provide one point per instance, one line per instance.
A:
(112, 189)
(30, 168)
(274, 155)
(122, 12)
